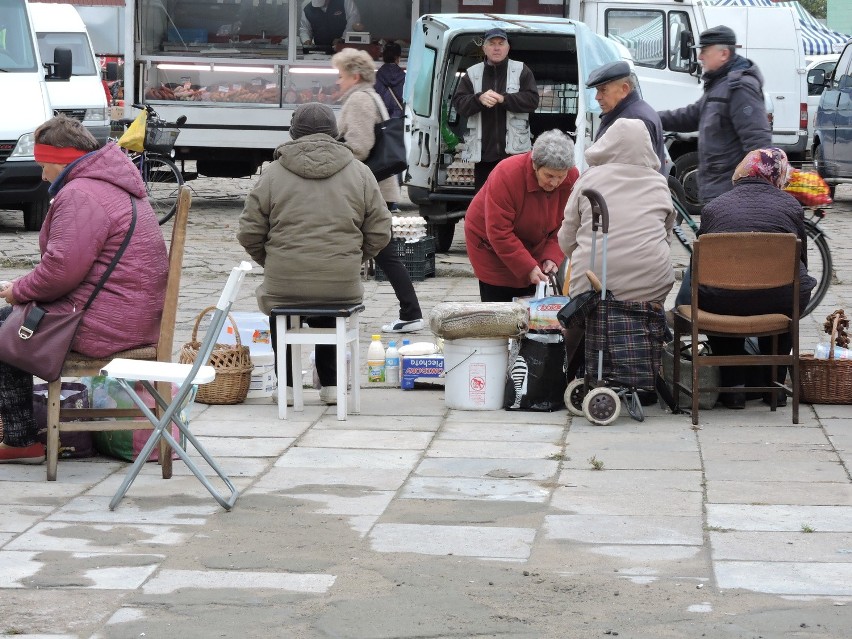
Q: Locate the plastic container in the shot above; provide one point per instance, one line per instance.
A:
(822, 349)
(376, 360)
(392, 364)
(475, 372)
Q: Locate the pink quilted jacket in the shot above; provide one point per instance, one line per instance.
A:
(86, 223)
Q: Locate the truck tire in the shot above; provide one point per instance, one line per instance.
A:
(819, 165)
(687, 173)
(35, 212)
(443, 233)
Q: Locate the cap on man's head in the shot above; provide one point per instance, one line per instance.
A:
(607, 73)
(312, 117)
(494, 33)
(717, 35)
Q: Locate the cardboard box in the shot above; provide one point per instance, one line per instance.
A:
(418, 366)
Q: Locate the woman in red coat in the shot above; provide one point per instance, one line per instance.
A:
(511, 225)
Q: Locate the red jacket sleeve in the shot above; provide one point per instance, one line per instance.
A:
(504, 198)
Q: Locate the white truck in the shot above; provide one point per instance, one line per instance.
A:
(658, 33)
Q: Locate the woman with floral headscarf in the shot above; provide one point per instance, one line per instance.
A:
(757, 203)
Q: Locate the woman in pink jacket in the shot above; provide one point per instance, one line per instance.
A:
(87, 221)
(510, 226)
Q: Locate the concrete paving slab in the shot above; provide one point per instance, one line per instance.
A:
(394, 401)
(169, 581)
(351, 502)
(69, 471)
(477, 489)
(282, 479)
(811, 471)
(234, 466)
(819, 453)
(779, 518)
(579, 455)
(785, 578)
(487, 449)
(664, 440)
(299, 457)
(833, 411)
(626, 529)
(638, 499)
(120, 577)
(465, 541)
(367, 439)
(43, 493)
(558, 418)
(16, 567)
(502, 432)
(533, 469)
(95, 509)
(16, 518)
(783, 435)
(153, 485)
(271, 427)
(649, 554)
(794, 546)
(803, 493)
(377, 422)
(650, 427)
(73, 537)
(757, 414)
(223, 448)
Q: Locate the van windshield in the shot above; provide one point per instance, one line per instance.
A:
(16, 44)
(82, 62)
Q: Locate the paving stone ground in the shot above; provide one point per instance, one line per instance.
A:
(414, 520)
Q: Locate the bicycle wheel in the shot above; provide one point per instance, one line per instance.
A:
(820, 265)
(162, 181)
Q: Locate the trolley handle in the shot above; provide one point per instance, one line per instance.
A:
(600, 212)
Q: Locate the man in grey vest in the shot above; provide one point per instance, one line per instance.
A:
(497, 97)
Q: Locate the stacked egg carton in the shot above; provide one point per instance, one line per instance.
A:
(409, 228)
(460, 173)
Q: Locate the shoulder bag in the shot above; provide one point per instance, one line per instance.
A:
(37, 341)
(387, 157)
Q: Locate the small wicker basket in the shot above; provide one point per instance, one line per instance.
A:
(232, 363)
(826, 381)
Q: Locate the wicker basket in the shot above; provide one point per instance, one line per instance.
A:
(825, 381)
(232, 363)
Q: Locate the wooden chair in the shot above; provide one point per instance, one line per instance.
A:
(77, 365)
(741, 262)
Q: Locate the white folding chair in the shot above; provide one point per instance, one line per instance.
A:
(188, 376)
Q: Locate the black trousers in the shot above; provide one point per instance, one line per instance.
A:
(750, 375)
(400, 280)
(481, 171)
(492, 293)
(16, 401)
(326, 355)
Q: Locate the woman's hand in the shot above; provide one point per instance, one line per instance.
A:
(6, 293)
(549, 266)
(537, 276)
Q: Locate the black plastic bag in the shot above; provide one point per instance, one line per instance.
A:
(536, 380)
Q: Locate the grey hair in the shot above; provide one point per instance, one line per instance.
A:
(354, 61)
(554, 150)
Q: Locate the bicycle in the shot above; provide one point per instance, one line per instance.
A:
(161, 176)
(820, 263)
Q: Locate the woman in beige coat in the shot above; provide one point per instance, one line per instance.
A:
(623, 168)
(362, 110)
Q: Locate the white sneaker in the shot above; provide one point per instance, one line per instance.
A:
(328, 394)
(403, 326)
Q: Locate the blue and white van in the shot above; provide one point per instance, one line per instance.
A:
(560, 52)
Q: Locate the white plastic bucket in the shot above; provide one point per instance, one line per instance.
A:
(475, 373)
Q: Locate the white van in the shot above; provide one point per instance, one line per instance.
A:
(82, 96)
(24, 107)
(560, 52)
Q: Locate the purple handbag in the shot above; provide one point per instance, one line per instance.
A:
(37, 341)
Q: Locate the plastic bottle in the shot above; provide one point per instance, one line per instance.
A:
(376, 360)
(392, 364)
(822, 349)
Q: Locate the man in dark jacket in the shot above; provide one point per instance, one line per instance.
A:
(618, 98)
(497, 97)
(730, 117)
(390, 79)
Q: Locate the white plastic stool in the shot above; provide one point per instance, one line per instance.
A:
(344, 335)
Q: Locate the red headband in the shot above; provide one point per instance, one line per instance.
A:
(47, 154)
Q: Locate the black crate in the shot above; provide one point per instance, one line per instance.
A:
(418, 257)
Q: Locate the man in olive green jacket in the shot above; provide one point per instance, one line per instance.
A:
(315, 215)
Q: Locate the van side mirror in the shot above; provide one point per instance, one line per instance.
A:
(686, 43)
(60, 68)
(817, 77)
(112, 71)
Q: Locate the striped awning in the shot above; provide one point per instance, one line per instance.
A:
(817, 38)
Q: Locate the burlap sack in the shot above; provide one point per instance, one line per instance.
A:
(468, 320)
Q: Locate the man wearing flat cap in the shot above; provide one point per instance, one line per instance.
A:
(730, 117)
(618, 98)
(496, 96)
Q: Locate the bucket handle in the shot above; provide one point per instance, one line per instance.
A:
(475, 351)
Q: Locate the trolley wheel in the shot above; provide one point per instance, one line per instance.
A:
(574, 395)
(602, 406)
(634, 406)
